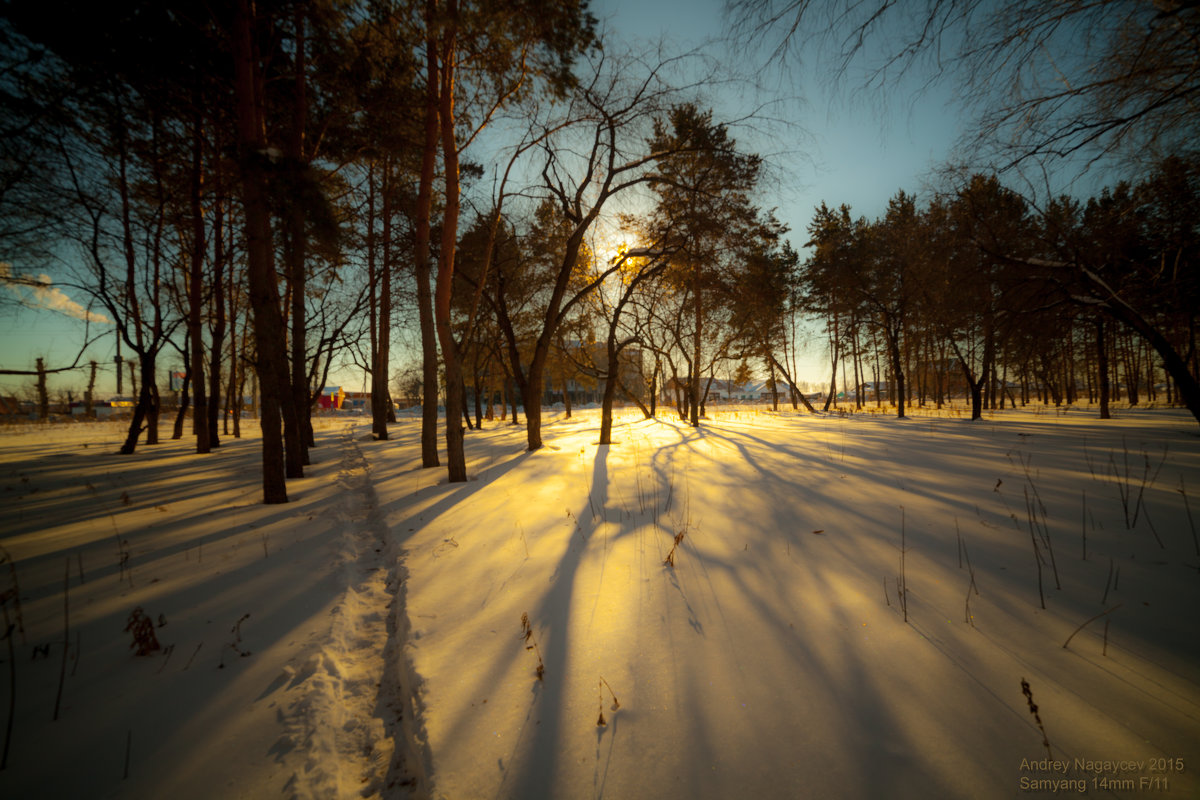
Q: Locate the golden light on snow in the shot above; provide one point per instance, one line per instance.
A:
(491, 623)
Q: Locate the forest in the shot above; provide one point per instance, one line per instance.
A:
(952, 559)
(263, 192)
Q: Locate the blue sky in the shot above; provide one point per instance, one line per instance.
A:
(848, 148)
(845, 149)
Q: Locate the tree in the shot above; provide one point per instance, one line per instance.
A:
(703, 189)
(1047, 80)
(269, 333)
(599, 153)
(981, 300)
(890, 281)
(496, 53)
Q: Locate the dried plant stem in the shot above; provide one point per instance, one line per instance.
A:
(531, 644)
(970, 585)
(62, 673)
(669, 561)
(1037, 559)
(12, 685)
(16, 591)
(902, 583)
(193, 658)
(1187, 507)
(1107, 582)
(1139, 504)
(1089, 621)
(1083, 523)
(1042, 529)
(600, 721)
(1033, 709)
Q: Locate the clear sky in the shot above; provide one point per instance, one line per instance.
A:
(844, 149)
(841, 146)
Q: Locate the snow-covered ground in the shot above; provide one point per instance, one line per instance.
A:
(396, 623)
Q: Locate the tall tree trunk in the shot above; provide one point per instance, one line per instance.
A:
(301, 394)
(185, 391)
(893, 341)
(429, 353)
(455, 456)
(218, 328)
(90, 396)
(694, 383)
(610, 388)
(269, 333)
(148, 395)
(42, 394)
(196, 282)
(1102, 369)
(233, 400)
(381, 364)
(654, 389)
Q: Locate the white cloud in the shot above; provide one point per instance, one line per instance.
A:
(41, 293)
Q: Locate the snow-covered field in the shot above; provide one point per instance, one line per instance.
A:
(382, 634)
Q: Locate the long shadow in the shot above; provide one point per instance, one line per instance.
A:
(539, 774)
(453, 497)
(119, 547)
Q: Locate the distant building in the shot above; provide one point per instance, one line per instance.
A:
(722, 391)
(586, 365)
(331, 397)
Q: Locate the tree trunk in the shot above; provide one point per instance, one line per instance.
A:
(455, 456)
(185, 391)
(301, 393)
(380, 366)
(218, 329)
(654, 389)
(832, 377)
(1102, 369)
(611, 371)
(90, 396)
(774, 388)
(893, 341)
(429, 354)
(269, 333)
(694, 383)
(196, 283)
(43, 396)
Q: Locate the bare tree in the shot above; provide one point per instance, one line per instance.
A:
(1047, 80)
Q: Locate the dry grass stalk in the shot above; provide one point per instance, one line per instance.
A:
(531, 644)
(1033, 709)
(141, 627)
(1089, 621)
(669, 561)
(601, 722)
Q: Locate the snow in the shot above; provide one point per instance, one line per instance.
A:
(386, 647)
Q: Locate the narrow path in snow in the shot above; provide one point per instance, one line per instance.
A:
(352, 719)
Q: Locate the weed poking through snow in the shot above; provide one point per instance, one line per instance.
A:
(1033, 709)
(13, 592)
(601, 722)
(9, 629)
(235, 643)
(902, 578)
(1091, 620)
(531, 644)
(141, 627)
(669, 561)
